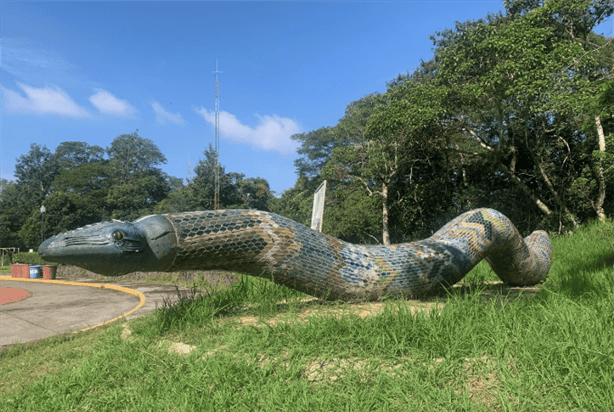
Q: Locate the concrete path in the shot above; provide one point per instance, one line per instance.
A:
(69, 305)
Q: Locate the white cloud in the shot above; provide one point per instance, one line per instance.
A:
(31, 61)
(162, 116)
(52, 100)
(271, 134)
(106, 103)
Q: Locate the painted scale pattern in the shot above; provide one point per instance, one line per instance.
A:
(272, 246)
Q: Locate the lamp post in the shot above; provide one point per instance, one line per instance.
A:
(42, 223)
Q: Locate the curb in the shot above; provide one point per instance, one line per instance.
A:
(92, 285)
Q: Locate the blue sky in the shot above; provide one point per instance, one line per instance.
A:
(90, 71)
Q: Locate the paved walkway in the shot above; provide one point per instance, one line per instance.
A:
(69, 305)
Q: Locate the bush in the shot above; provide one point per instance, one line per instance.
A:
(5, 260)
(29, 258)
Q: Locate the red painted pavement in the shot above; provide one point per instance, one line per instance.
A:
(8, 295)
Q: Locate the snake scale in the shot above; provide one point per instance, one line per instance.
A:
(268, 245)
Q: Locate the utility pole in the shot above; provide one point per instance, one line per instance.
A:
(216, 196)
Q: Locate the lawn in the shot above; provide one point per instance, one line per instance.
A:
(259, 346)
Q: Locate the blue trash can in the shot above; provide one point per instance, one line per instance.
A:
(36, 272)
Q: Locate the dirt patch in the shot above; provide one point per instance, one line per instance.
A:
(483, 380)
(309, 307)
(499, 291)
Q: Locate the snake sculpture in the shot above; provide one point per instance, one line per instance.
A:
(268, 245)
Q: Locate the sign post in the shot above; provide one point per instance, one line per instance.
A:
(318, 207)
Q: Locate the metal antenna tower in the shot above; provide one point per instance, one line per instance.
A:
(216, 196)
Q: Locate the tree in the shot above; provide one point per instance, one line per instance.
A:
(599, 121)
(235, 190)
(139, 196)
(131, 153)
(253, 193)
(296, 203)
(69, 155)
(203, 184)
(522, 76)
(350, 215)
(317, 146)
(11, 214)
(34, 172)
(64, 212)
(136, 185)
(183, 199)
(513, 112)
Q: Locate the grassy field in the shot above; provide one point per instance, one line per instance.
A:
(258, 346)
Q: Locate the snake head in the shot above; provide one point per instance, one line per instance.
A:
(114, 248)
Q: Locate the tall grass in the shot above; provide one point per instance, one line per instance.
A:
(545, 351)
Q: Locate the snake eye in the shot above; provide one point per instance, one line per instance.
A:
(117, 235)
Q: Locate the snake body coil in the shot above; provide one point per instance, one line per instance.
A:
(272, 246)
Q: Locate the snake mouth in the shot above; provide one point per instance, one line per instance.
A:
(85, 240)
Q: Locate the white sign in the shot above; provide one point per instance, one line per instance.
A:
(318, 207)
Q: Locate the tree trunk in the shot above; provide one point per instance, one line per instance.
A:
(385, 232)
(558, 199)
(600, 176)
(524, 189)
(512, 175)
(551, 187)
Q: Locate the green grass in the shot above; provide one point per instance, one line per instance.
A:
(546, 351)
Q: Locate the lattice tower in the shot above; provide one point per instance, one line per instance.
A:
(216, 196)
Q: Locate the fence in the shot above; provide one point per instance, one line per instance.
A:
(7, 252)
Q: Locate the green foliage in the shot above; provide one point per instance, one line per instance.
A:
(64, 212)
(28, 258)
(253, 193)
(317, 146)
(235, 190)
(69, 155)
(183, 199)
(354, 217)
(297, 202)
(34, 172)
(11, 215)
(88, 179)
(78, 186)
(503, 117)
(131, 153)
(138, 196)
(527, 79)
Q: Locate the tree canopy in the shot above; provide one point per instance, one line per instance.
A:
(79, 185)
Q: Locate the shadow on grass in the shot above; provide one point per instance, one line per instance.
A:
(588, 283)
(597, 262)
